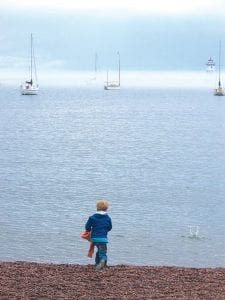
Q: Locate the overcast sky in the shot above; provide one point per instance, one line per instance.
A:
(149, 7)
(150, 35)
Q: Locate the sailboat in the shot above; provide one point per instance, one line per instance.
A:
(219, 91)
(30, 87)
(113, 85)
(96, 62)
(95, 67)
(210, 65)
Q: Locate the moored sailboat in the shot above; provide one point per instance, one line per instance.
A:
(94, 78)
(113, 85)
(30, 87)
(219, 91)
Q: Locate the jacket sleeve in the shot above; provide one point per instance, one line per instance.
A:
(88, 224)
(110, 224)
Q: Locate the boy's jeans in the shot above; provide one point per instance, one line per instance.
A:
(101, 253)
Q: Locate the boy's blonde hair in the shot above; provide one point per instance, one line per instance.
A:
(102, 205)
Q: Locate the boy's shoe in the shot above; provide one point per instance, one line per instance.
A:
(100, 265)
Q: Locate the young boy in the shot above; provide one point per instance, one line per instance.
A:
(99, 224)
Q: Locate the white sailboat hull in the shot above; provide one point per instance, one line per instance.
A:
(219, 91)
(31, 90)
(112, 87)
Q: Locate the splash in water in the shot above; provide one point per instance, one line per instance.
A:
(194, 232)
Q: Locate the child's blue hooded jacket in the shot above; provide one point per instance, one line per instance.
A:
(99, 224)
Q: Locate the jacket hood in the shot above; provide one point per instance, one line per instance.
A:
(99, 216)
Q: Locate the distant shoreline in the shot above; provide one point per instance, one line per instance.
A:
(27, 280)
(129, 78)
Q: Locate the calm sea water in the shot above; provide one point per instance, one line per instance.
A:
(158, 155)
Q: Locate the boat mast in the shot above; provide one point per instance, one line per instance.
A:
(96, 61)
(219, 62)
(119, 65)
(31, 58)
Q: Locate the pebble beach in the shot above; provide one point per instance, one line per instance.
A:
(36, 281)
